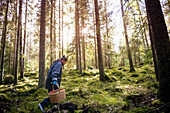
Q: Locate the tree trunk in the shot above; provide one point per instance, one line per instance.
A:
(153, 54)
(41, 82)
(100, 58)
(78, 36)
(62, 30)
(20, 34)
(25, 35)
(17, 44)
(51, 34)
(82, 36)
(59, 33)
(107, 37)
(142, 23)
(14, 55)
(54, 42)
(127, 42)
(4, 41)
(95, 47)
(76, 22)
(9, 68)
(161, 47)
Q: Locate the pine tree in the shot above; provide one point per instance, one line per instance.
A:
(100, 59)
(41, 82)
(161, 47)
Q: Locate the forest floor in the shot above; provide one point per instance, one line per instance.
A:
(122, 92)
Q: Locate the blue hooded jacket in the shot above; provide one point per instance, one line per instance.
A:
(54, 74)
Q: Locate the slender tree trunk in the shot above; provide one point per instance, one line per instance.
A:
(100, 58)
(19, 34)
(41, 82)
(62, 29)
(82, 36)
(161, 47)
(15, 43)
(95, 47)
(9, 68)
(51, 34)
(25, 35)
(142, 23)
(54, 44)
(59, 32)
(4, 41)
(105, 52)
(127, 42)
(107, 37)
(21, 51)
(78, 36)
(76, 22)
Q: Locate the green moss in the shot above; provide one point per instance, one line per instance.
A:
(30, 74)
(8, 79)
(143, 71)
(156, 102)
(108, 78)
(85, 73)
(118, 73)
(109, 96)
(143, 109)
(134, 75)
(4, 97)
(41, 92)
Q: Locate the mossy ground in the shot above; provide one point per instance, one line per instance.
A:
(123, 92)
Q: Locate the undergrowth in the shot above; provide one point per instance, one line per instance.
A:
(123, 91)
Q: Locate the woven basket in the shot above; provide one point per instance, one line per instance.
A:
(57, 95)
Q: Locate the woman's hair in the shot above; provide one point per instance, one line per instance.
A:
(64, 58)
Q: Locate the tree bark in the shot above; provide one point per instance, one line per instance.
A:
(82, 34)
(4, 41)
(51, 34)
(78, 36)
(126, 37)
(161, 47)
(59, 32)
(25, 35)
(107, 37)
(54, 42)
(76, 22)
(20, 35)
(41, 82)
(95, 47)
(17, 44)
(62, 30)
(100, 58)
(142, 23)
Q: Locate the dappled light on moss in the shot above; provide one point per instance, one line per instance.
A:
(115, 94)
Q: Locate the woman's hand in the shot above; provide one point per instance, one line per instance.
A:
(54, 82)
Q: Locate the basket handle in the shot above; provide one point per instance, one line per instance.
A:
(57, 86)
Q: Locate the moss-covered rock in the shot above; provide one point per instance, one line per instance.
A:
(30, 74)
(90, 67)
(85, 73)
(3, 97)
(8, 79)
(109, 78)
(41, 92)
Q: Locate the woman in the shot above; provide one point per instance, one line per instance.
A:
(53, 78)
